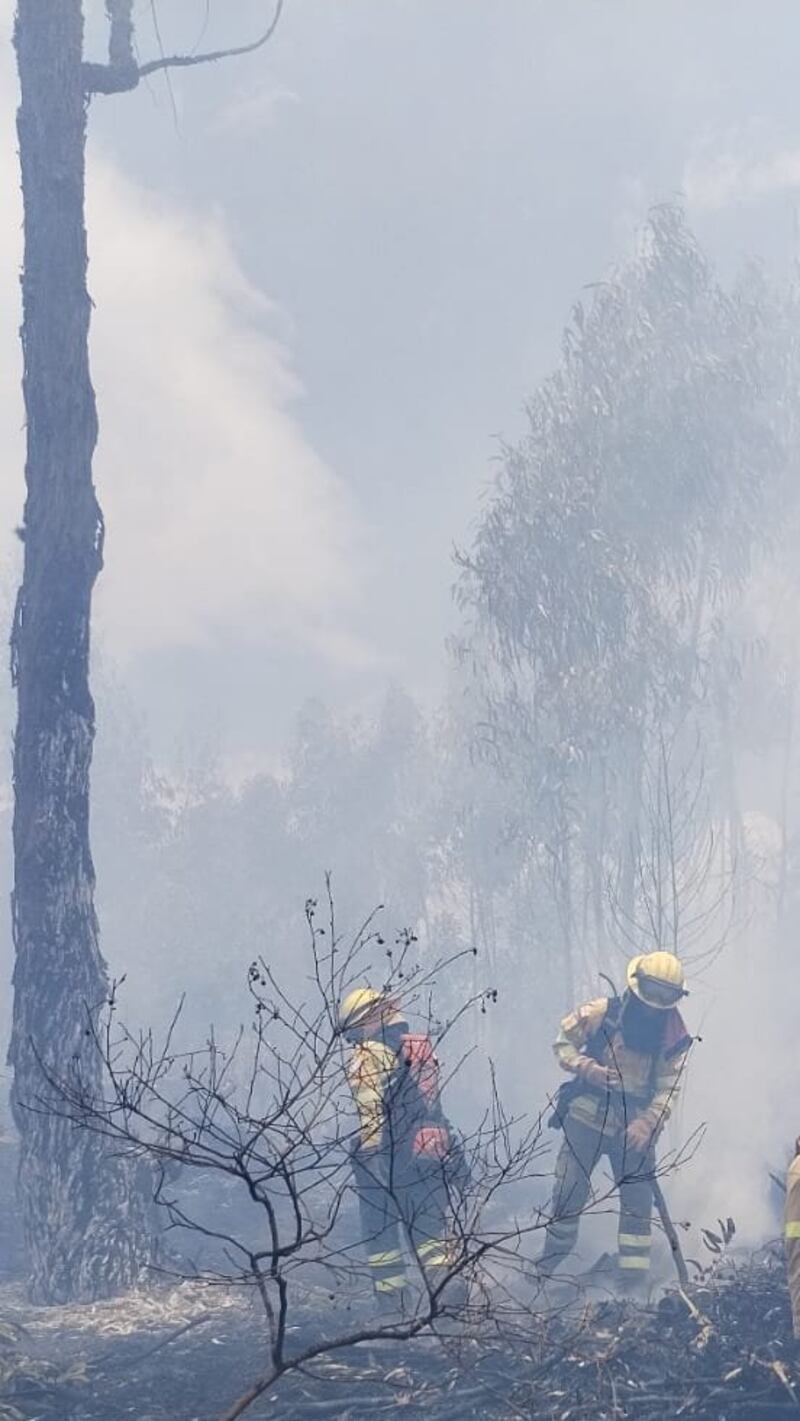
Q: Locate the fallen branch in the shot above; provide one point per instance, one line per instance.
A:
(165, 1342)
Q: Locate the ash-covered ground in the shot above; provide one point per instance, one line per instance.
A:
(719, 1349)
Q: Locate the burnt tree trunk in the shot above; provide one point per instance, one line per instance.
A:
(86, 1229)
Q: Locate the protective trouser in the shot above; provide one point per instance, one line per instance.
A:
(632, 1172)
(399, 1197)
(792, 1233)
(380, 1224)
(426, 1208)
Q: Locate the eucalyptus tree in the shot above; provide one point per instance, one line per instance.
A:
(621, 530)
(86, 1226)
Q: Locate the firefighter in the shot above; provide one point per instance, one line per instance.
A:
(407, 1165)
(626, 1055)
(792, 1233)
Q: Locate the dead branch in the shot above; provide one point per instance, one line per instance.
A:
(184, 61)
(123, 74)
(120, 34)
(671, 1234)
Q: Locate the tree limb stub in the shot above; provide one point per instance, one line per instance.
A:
(122, 73)
(120, 34)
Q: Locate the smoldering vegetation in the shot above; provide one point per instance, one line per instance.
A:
(614, 768)
(717, 1350)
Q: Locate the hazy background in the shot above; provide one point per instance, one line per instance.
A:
(326, 277)
(355, 253)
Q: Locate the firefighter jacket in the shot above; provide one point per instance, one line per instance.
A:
(369, 1073)
(649, 1080)
(386, 1114)
(792, 1234)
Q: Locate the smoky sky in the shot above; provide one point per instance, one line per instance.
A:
(419, 190)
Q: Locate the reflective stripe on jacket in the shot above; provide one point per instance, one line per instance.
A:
(649, 1086)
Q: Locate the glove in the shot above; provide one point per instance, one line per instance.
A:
(432, 1142)
(597, 1076)
(639, 1134)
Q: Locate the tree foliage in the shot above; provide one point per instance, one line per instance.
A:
(621, 539)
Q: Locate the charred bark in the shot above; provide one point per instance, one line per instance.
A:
(86, 1230)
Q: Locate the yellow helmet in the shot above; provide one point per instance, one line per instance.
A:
(657, 979)
(357, 1005)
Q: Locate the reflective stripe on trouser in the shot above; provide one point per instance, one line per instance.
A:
(439, 1260)
(634, 1252)
(387, 1270)
(792, 1240)
(436, 1253)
